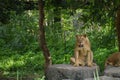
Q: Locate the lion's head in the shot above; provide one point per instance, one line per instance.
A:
(82, 40)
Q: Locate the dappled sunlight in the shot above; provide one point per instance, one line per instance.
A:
(24, 28)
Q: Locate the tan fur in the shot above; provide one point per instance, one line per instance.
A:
(82, 52)
(113, 60)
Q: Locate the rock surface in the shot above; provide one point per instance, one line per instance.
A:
(112, 71)
(104, 78)
(69, 72)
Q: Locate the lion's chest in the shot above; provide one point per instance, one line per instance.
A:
(82, 52)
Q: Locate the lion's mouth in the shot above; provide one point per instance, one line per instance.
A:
(80, 45)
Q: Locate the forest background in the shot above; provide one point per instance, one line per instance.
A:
(20, 53)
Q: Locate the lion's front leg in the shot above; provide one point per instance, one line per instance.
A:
(90, 58)
(76, 58)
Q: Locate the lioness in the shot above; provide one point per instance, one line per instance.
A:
(113, 60)
(82, 52)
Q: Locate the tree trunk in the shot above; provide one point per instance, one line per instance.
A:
(42, 36)
(118, 27)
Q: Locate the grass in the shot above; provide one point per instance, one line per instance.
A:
(15, 64)
(96, 75)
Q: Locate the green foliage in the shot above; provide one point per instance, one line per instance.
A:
(100, 56)
(25, 64)
(19, 33)
(19, 47)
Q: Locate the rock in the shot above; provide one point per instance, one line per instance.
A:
(112, 71)
(104, 78)
(69, 72)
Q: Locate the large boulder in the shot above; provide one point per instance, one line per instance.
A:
(69, 72)
(104, 78)
(112, 71)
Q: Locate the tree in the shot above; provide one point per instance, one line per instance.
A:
(118, 26)
(19, 6)
(42, 36)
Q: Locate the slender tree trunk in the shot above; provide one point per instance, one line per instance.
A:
(42, 36)
(118, 27)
